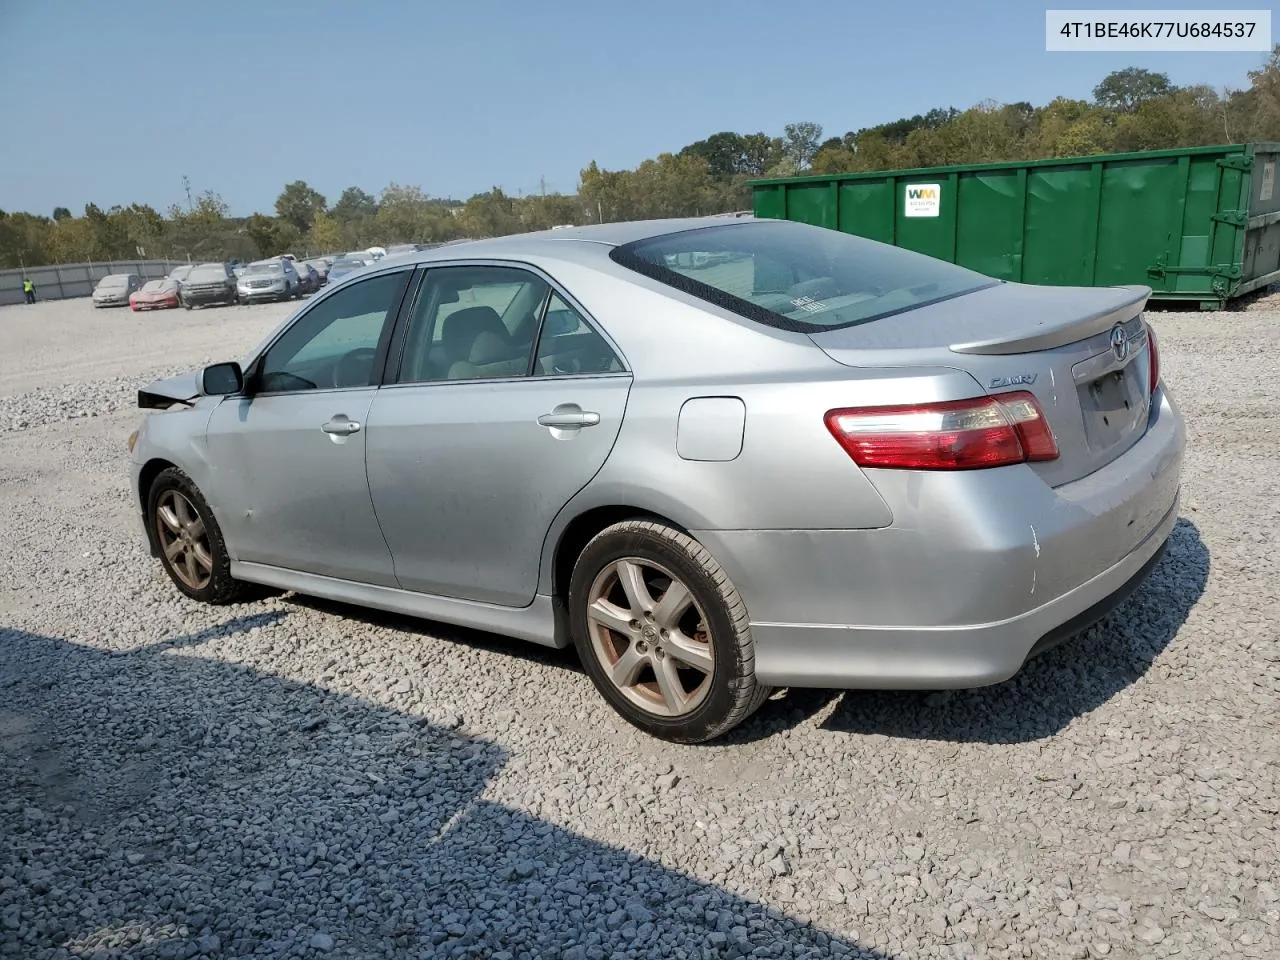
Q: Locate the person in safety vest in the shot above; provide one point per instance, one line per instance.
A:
(28, 290)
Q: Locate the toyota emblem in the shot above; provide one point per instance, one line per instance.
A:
(1119, 343)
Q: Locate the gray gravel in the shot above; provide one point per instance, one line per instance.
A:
(290, 778)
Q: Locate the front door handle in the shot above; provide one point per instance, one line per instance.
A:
(341, 426)
(570, 419)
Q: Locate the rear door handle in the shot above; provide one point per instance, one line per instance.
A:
(569, 420)
(341, 426)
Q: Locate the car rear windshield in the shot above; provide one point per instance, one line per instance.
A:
(264, 268)
(211, 271)
(158, 286)
(797, 277)
(114, 280)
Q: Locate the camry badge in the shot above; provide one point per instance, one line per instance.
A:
(1017, 378)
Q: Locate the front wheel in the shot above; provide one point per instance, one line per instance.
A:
(663, 633)
(190, 541)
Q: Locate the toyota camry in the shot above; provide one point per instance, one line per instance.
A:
(716, 456)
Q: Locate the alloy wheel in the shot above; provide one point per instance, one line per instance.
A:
(651, 637)
(184, 540)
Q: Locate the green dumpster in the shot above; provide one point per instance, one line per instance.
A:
(1199, 224)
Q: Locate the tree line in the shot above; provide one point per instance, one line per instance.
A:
(1132, 109)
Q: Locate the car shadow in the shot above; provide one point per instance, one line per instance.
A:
(163, 803)
(1053, 689)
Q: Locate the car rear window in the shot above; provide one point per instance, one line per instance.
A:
(795, 276)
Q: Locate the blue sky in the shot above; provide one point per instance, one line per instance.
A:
(115, 102)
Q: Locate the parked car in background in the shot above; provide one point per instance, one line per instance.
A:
(155, 295)
(308, 278)
(345, 265)
(376, 253)
(321, 266)
(822, 462)
(400, 248)
(274, 279)
(208, 284)
(115, 289)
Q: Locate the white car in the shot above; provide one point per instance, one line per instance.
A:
(115, 289)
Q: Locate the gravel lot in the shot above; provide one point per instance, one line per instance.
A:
(293, 778)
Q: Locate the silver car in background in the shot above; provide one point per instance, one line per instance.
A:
(274, 279)
(115, 289)
(717, 457)
(344, 265)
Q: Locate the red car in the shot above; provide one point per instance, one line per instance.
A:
(155, 295)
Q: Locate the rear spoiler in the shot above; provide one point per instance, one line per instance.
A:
(1047, 335)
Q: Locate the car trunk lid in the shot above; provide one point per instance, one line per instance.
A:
(1083, 352)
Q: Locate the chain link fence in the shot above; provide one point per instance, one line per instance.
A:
(66, 280)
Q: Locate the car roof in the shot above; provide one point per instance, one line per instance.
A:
(601, 236)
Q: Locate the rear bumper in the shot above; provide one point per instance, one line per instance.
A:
(978, 571)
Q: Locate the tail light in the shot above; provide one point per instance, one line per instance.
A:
(1154, 350)
(955, 435)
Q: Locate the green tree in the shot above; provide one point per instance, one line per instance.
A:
(24, 239)
(264, 231)
(325, 235)
(1258, 108)
(1123, 90)
(801, 142)
(61, 213)
(408, 215)
(298, 205)
(541, 212)
(354, 205)
(760, 152)
(490, 214)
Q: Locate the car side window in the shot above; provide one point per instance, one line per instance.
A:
(473, 323)
(568, 345)
(334, 344)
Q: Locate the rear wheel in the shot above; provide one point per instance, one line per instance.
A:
(663, 633)
(190, 541)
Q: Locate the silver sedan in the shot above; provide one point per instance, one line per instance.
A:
(716, 456)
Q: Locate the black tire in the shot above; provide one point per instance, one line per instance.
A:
(186, 306)
(733, 693)
(221, 588)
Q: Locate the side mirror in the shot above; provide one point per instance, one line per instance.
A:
(221, 379)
